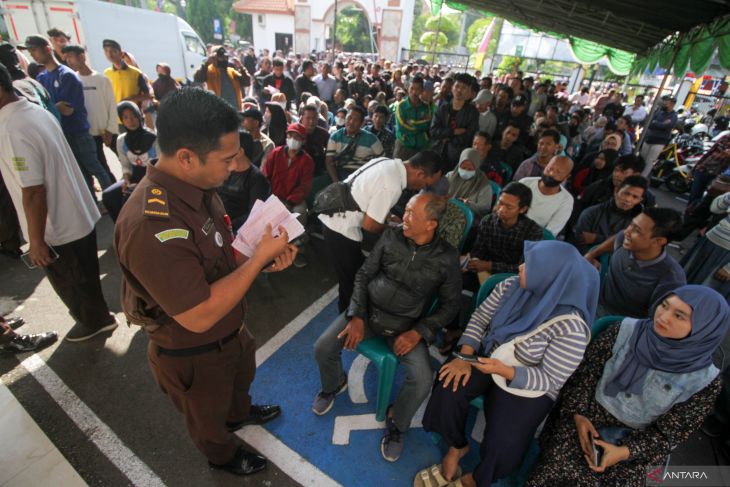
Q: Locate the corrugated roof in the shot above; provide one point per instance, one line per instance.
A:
(265, 6)
(634, 26)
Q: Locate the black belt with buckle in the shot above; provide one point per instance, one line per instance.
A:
(200, 349)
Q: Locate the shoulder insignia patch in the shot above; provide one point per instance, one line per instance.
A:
(155, 203)
(172, 233)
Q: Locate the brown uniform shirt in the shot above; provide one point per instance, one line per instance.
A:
(172, 242)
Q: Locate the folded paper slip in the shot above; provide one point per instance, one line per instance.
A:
(270, 212)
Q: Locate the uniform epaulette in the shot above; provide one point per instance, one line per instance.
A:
(155, 203)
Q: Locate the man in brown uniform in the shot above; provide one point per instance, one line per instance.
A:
(184, 283)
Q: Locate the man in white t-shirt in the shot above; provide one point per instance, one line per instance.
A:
(551, 203)
(57, 214)
(376, 188)
(637, 111)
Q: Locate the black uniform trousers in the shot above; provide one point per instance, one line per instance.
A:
(209, 389)
(346, 256)
(511, 422)
(75, 278)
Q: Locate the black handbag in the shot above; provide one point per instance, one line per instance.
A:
(337, 197)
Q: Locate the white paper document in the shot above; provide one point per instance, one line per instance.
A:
(270, 212)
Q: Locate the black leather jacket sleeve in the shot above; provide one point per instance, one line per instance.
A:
(449, 297)
(359, 301)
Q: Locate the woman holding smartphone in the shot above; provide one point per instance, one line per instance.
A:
(530, 334)
(643, 388)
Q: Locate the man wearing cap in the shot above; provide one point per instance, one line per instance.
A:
(67, 92)
(658, 133)
(519, 116)
(99, 101)
(128, 82)
(222, 79)
(251, 121)
(290, 170)
(487, 118)
(58, 40)
(244, 186)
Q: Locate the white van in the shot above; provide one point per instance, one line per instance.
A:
(151, 37)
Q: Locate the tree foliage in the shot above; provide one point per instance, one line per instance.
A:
(200, 14)
(352, 30)
(510, 63)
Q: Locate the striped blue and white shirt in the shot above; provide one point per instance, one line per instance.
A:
(549, 357)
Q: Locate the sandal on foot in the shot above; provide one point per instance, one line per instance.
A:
(423, 479)
(438, 475)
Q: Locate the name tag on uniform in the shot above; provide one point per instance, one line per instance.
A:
(209, 224)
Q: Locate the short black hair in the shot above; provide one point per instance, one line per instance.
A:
(418, 79)
(6, 81)
(56, 32)
(465, 78)
(76, 49)
(521, 191)
(630, 161)
(310, 108)
(383, 110)
(485, 135)
(666, 221)
(510, 92)
(551, 133)
(635, 181)
(512, 123)
(428, 161)
(194, 119)
(247, 144)
(307, 64)
(278, 62)
(360, 110)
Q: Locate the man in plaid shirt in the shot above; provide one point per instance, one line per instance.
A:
(501, 235)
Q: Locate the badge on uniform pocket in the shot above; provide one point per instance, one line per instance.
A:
(219, 239)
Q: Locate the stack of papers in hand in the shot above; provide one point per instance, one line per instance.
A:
(270, 212)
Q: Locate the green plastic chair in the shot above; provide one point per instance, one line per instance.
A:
(378, 351)
(496, 190)
(604, 322)
(508, 172)
(605, 260)
(547, 234)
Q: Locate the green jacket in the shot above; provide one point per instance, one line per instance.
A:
(412, 125)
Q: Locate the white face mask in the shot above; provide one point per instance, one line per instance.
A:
(464, 174)
(339, 121)
(293, 143)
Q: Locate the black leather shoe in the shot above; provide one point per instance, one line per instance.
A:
(30, 343)
(257, 415)
(243, 463)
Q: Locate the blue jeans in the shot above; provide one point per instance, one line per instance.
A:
(84, 149)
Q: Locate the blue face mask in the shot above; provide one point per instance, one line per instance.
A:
(464, 174)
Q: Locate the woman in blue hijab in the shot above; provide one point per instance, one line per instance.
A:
(643, 388)
(529, 335)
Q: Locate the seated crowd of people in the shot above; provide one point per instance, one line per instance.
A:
(555, 189)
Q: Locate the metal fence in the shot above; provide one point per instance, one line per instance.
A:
(441, 58)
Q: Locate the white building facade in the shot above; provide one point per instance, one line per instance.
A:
(306, 25)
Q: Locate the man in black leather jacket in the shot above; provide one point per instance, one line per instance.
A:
(395, 288)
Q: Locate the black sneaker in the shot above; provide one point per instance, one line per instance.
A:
(30, 343)
(14, 322)
(243, 463)
(80, 332)
(324, 401)
(391, 445)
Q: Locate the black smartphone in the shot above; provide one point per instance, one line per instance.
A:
(467, 358)
(597, 453)
(26, 257)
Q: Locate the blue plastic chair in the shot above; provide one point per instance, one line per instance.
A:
(468, 215)
(547, 234)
